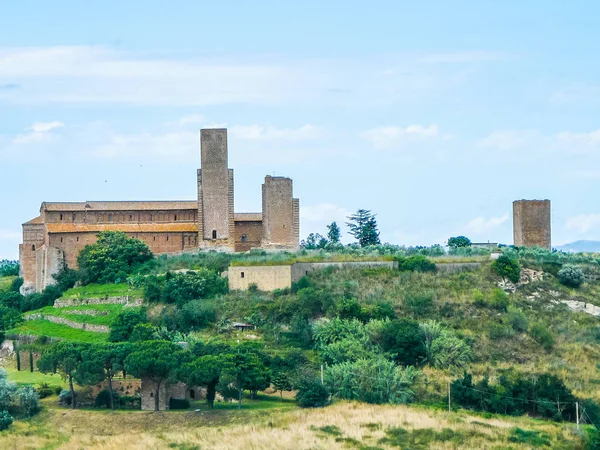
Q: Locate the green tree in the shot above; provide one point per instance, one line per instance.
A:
(363, 227)
(403, 340)
(282, 382)
(333, 233)
(205, 371)
(66, 358)
(244, 370)
(9, 268)
(157, 361)
(571, 276)
(507, 268)
(314, 241)
(112, 258)
(123, 325)
(312, 394)
(459, 241)
(111, 358)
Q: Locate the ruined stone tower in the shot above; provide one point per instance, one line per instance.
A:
(215, 192)
(532, 223)
(280, 214)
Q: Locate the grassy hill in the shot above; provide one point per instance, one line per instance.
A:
(5, 283)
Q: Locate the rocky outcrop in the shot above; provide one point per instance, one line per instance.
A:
(70, 323)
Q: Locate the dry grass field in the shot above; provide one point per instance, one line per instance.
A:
(344, 425)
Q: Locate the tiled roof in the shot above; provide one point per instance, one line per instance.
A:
(119, 206)
(247, 217)
(125, 227)
(36, 221)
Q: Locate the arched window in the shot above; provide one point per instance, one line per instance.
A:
(110, 217)
(74, 217)
(33, 248)
(175, 217)
(244, 238)
(192, 394)
(61, 217)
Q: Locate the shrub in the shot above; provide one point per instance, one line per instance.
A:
(114, 256)
(500, 331)
(419, 305)
(443, 349)
(516, 319)
(180, 288)
(571, 276)
(123, 325)
(312, 394)
(417, 263)
(64, 398)
(403, 339)
(130, 402)
(539, 332)
(44, 390)
(179, 403)
(102, 400)
(5, 420)
(499, 300)
(198, 314)
(508, 268)
(28, 400)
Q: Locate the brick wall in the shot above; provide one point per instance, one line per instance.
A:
(532, 223)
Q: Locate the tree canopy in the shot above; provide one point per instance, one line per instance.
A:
(363, 226)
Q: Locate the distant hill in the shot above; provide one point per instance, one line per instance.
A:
(581, 246)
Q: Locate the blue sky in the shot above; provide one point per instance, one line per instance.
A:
(436, 115)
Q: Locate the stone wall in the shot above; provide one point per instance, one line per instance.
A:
(49, 261)
(70, 323)
(532, 223)
(266, 278)
(125, 301)
(252, 231)
(166, 392)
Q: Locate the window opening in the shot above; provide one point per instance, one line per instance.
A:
(61, 217)
(214, 234)
(242, 274)
(244, 238)
(33, 247)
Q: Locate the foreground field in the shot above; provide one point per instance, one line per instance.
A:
(343, 425)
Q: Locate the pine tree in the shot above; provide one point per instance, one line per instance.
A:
(363, 227)
(334, 233)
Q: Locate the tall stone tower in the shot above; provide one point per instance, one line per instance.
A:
(280, 213)
(216, 225)
(532, 223)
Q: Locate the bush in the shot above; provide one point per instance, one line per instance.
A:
(539, 332)
(114, 256)
(516, 319)
(508, 268)
(419, 305)
(181, 288)
(571, 276)
(103, 399)
(130, 402)
(44, 390)
(198, 314)
(403, 339)
(499, 300)
(179, 403)
(459, 241)
(417, 263)
(28, 400)
(312, 394)
(123, 325)
(64, 398)
(5, 420)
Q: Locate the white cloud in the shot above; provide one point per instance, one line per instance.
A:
(324, 212)
(466, 57)
(508, 139)
(9, 235)
(583, 223)
(38, 132)
(192, 119)
(481, 225)
(270, 133)
(388, 136)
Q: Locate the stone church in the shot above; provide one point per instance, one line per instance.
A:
(56, 236)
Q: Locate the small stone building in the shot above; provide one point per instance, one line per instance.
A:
(166, 393)
(55, 238)
(532, 223)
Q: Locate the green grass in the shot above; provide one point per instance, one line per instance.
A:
(34, 378)
(40, 327)
(5, 283)
(262, 402)
(113, 311)
(102, 290)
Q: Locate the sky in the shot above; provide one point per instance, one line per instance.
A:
(435, 115)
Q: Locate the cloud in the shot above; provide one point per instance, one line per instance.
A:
(270, 133)
(387, 136)
(38, 132)
(9, 235)
(96, 74)
(193, 119)
(324, 212)
(481, 225)
(583, 223)
(576, 93)
(466, 57)
(509, 139)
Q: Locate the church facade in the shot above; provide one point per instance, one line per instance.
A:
(55, 238)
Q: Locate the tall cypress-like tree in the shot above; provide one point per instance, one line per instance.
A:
(333, 233)
(363, 226)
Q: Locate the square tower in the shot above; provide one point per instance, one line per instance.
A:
(280, 214)
(532, 223)
(215, 190)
